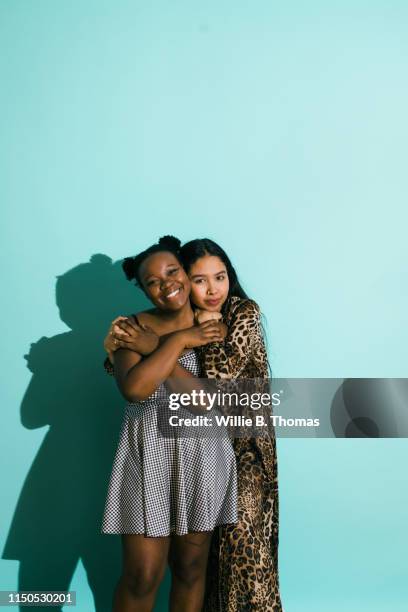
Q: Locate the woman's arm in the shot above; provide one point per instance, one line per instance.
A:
(138, 378)
(228, 359)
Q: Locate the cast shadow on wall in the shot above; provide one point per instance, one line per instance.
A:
(58, 516)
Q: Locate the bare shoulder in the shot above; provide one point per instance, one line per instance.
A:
(151, 318)
(146, 316)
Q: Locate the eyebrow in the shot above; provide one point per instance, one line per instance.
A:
(200, 275)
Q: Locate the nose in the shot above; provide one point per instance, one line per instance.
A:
(166, 283)
(211, 289)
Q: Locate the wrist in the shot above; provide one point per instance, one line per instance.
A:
(177, 339)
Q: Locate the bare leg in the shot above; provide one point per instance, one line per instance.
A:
(188, 562)
(144, 565)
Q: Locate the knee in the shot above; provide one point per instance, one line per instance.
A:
(189, 570)
(141, 581)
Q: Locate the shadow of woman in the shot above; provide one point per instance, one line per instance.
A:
(58, 516)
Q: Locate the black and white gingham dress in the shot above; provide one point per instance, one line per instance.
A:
(161, 486)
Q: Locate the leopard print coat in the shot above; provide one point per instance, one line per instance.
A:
(242, 573)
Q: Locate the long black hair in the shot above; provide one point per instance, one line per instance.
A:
(131, 265)
(195, 249)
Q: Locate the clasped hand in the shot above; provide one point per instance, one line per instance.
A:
(125, 332)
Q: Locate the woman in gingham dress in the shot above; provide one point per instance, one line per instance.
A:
(166, 495)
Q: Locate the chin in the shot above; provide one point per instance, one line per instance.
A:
(216, 308)
(177, 305)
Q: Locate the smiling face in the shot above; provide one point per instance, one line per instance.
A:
(164, 281)
(209, 283)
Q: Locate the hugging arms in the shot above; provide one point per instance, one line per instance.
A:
(142, 359)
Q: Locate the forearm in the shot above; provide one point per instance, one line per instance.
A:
(183, 381)
(230, 357)
(140, 380)
(110, 356)
(230, 360)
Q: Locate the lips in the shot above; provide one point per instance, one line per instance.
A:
(213, 302)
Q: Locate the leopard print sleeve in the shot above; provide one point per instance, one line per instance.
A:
(228, 359)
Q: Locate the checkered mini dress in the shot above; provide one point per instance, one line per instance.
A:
(169, 485)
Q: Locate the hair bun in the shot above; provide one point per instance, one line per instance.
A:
(100, 259)
(170, 242)
(128, 266)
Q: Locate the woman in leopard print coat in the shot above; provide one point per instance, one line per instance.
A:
(242, 572)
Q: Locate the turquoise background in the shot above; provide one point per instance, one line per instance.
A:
(277, 129)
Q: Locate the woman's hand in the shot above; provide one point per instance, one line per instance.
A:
(200, 316)
(139, 338)
(199, 335)
(109, 342)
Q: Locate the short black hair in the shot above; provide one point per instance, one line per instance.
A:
(131, 265)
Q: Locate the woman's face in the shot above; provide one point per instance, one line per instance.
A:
(164, 281)
(209, 283)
